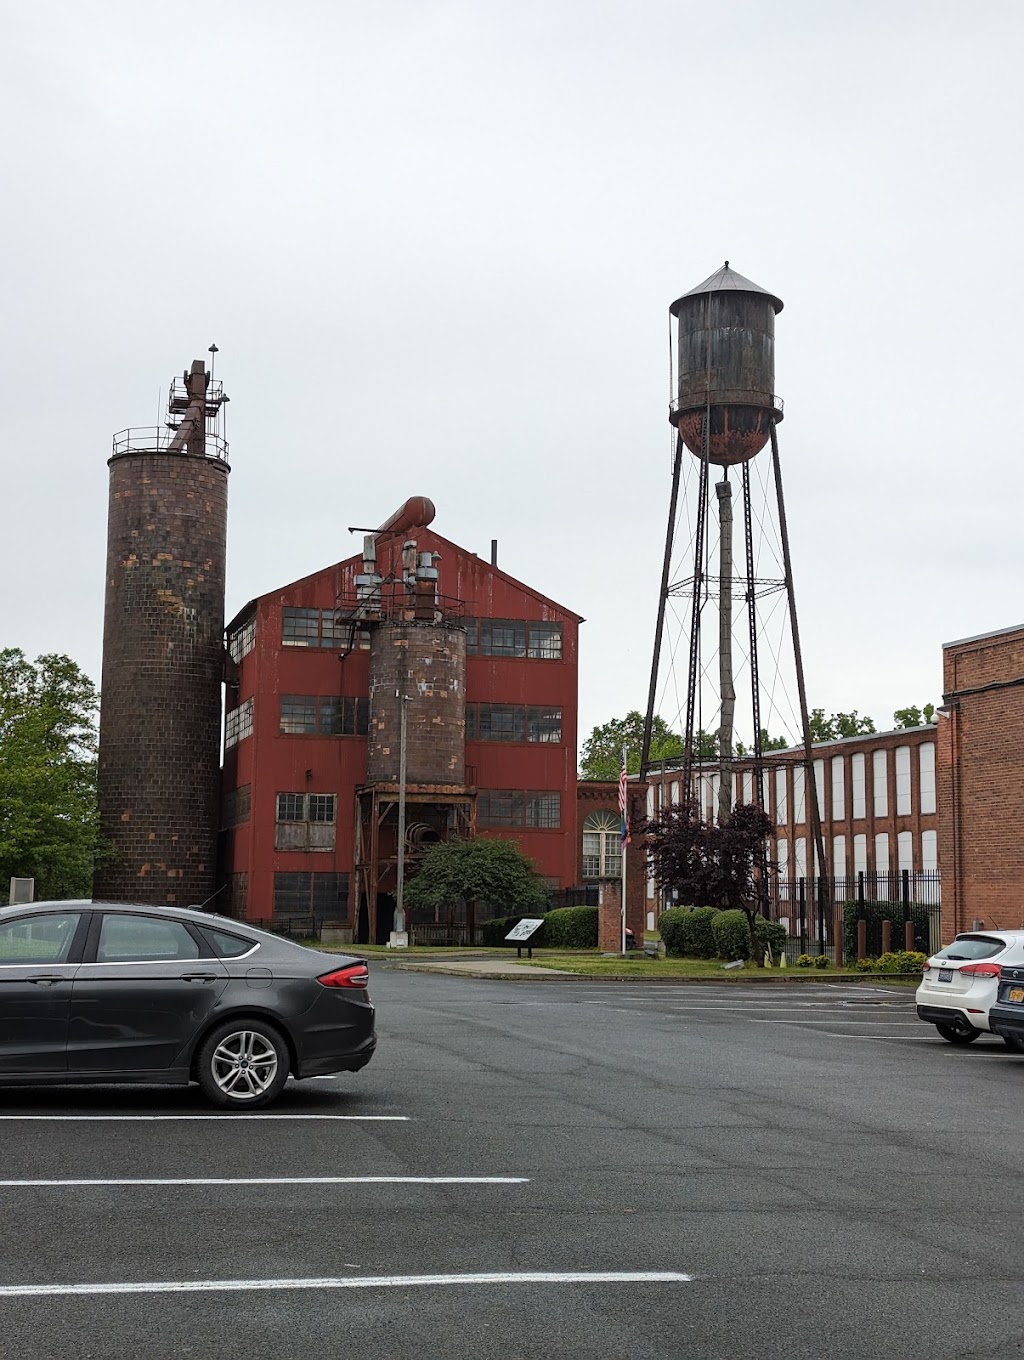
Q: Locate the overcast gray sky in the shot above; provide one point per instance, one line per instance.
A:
(436, 244)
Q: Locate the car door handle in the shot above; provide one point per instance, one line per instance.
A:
(199, 977)
(47, 979)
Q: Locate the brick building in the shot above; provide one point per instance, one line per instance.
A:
(981, 781)
(486, 669)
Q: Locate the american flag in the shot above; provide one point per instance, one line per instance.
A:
(623, 813)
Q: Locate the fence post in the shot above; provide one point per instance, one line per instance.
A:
(908, 925)
(803, 917)
(820, 894)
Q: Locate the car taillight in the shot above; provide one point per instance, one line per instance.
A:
(354, 975)
(981, 969)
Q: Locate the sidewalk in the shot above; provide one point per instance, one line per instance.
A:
(474, 968)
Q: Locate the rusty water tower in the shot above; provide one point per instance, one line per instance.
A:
(725, 411)
(163, 648)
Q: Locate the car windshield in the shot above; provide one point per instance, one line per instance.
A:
(972, 947)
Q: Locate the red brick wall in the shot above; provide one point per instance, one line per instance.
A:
(980, 782)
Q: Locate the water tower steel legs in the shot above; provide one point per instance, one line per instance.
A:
(727, 689)
(659, 628)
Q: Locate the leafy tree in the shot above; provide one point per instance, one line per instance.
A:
(471, 871)
(601, 756)
(709, 864)
(767, 744)
(914, 716)
(48, 740)
(838, 725)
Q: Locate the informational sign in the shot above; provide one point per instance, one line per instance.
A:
(520, 933)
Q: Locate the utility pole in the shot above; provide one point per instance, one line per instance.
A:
(399, 935)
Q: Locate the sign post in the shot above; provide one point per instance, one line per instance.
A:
(522, 934)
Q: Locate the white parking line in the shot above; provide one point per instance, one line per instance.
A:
(16, 1291)
(275, 1180)
(228, 1118)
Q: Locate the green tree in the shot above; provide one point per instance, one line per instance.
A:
(767, 744)
(838, 725)
(491, 871)
(601, 756)
(48, 740)
(914, 716)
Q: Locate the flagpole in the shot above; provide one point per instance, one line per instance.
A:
(625, 842)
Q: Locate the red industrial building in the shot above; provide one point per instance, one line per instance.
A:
(485, 668)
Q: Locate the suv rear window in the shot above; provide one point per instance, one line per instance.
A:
(972, 947)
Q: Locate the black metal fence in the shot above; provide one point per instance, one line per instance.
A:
(886, 903)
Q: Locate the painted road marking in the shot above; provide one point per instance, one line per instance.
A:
(16, 1291)
(228, 1118)
(276, 1180)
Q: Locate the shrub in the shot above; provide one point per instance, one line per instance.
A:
(571, 928)
(687, 932)
(732, 935)
(874, 913)
(494, 932)
(867, 965)
(902, 961)
(821, 961)
(770, 935)
(805, 961)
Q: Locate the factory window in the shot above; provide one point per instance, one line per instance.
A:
(780, 798)
(243, 639)
(905, 851)
(238, 724)
(236, 806)
(838, 789)
(335, 631)
(300, 628)
(902, 781)
(927, 759)
(929, 851)
(291, 807)
(602, 846)
(544, 810)
(839, 856)
(306, 807)
(324, 715)
(536, 639)
(499, 807)
(880, 782)
(512, 722)
(860, 854)
(299, 897)
(799, 800)
(882, 853)
(545, 641)
(857, 780)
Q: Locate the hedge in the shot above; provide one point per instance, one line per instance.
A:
(687, 932)
(732, 935)
(770, 935)
(874, 914)
(571, 928)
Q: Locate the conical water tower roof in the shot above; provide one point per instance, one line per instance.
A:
(726, 280)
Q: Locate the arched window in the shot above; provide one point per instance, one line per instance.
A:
(602, 846)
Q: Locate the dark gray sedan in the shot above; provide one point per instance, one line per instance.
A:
(92, 992)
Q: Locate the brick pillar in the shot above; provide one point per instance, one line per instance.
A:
(609, 918)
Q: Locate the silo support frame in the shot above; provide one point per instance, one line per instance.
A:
(374, 805)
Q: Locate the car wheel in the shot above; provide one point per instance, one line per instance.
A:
(243, 1064)
(953, 1035)
(1014, 1042)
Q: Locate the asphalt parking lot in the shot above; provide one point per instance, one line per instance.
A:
(533, 1169)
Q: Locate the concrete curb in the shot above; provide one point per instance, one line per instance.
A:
(527, 974)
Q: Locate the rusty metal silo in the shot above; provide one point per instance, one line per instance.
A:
(726, 367)
(163, 647)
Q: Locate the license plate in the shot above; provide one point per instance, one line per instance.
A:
(1015, 994)
(945, 975)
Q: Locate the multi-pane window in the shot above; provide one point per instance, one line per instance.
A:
(314, 628)
(905, 851)
(819, 786)
(306, 821)
(799, 794)
(243, 639)
(800, 857)
(513, 722)
(780, 798)
(321, 896)
(929, 851)
(238, 723)
(532, 638)
(860, 854)
(902, 781)
(882, 852)
(927, 759)
(324, 715)
(839, 856)
(539, 808)
(602, 846)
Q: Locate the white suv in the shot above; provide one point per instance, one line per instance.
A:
(960, 984)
